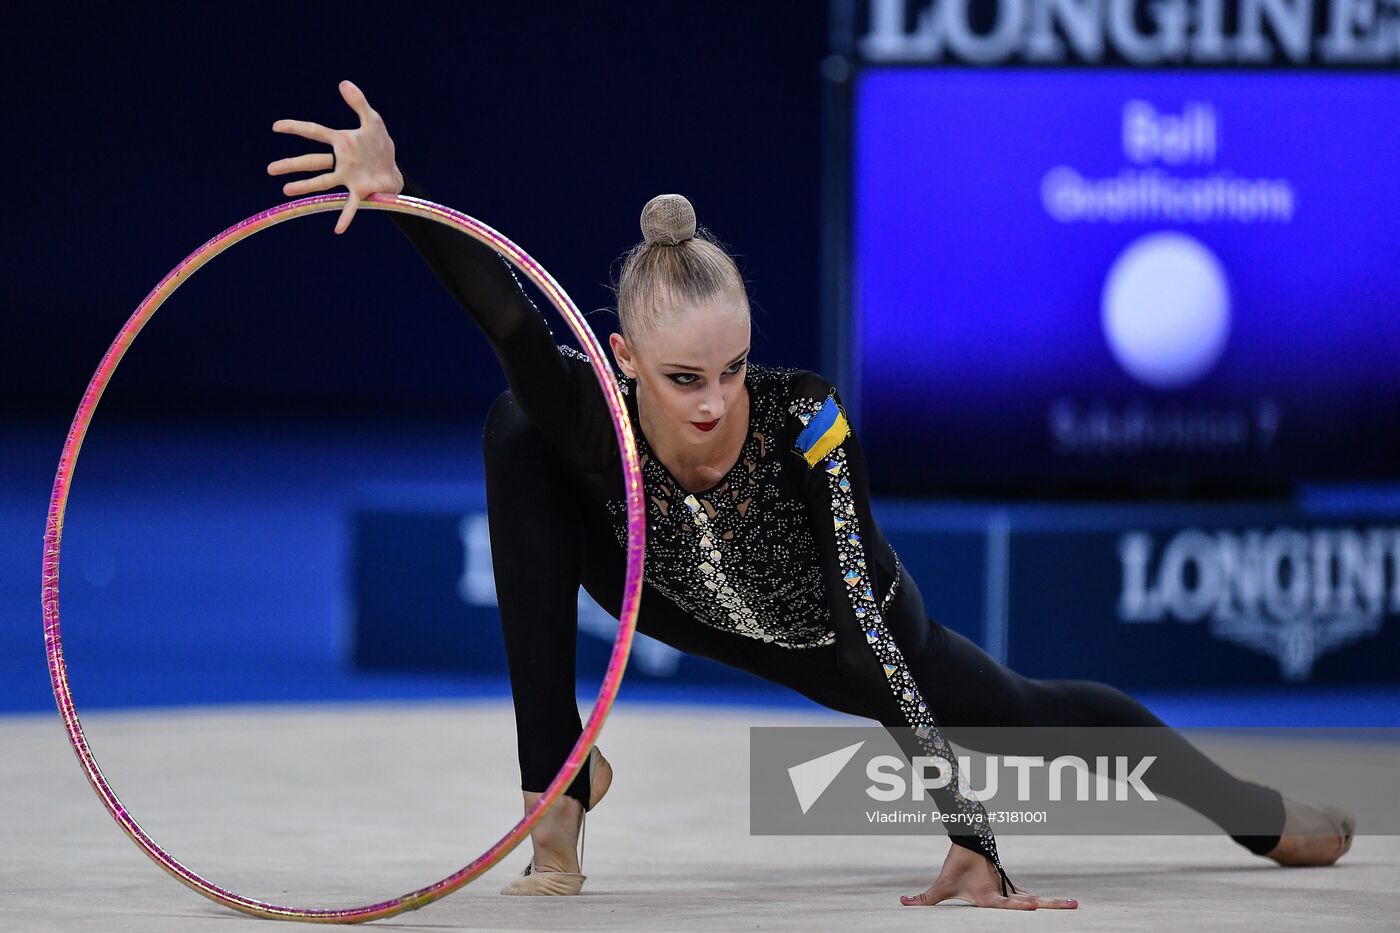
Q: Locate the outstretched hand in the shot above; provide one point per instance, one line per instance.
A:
(363, 159)
(968, 876)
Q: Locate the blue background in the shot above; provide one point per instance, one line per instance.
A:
(212, 553)
(976, 309)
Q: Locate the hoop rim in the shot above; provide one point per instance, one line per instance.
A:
(53, 537)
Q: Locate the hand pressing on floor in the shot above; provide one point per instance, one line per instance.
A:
(969, 876)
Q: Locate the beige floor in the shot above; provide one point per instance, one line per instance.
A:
(336, 805)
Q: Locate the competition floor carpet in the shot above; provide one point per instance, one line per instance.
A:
(336, 804)
(224, 715)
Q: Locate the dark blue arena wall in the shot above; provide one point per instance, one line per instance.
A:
(1144, 597)
(279, 499)
(143, 131)
(237, 561)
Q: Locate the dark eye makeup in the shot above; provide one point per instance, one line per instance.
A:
(685, 379)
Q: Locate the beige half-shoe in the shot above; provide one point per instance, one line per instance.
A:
(532, 881)
(1313, 835)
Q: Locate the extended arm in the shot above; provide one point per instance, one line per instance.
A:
(485, 286)
(558, 395)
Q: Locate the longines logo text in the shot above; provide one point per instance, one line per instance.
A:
(1290, 593)
(1145, 32)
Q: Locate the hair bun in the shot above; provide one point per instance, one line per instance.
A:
(668, 219)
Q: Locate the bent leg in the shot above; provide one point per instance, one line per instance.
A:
(547, 540)
(536, 552)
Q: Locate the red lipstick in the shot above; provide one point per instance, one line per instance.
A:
(706, 425)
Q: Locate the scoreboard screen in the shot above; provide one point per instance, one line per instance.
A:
(1099, 280)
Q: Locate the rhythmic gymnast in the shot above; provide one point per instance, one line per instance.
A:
(761, 553)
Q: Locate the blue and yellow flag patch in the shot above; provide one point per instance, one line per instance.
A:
(823, 433)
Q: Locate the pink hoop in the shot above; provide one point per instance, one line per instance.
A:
(636, 548)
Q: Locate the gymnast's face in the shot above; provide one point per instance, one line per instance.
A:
(690, 368)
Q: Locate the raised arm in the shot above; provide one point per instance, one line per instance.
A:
(559, 395)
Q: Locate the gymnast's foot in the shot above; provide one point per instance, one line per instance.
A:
(1312, 835)
(970, 877)
(555, 837)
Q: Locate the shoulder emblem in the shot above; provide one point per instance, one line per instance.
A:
(823, 431)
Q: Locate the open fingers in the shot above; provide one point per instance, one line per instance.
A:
(941, 890)
(307, 185)
(347, 214)
(311, 162)
(937, 895)
(304, 128)
(356, 99)
(1050, 903)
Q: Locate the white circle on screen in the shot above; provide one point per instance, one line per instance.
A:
(1166, 309)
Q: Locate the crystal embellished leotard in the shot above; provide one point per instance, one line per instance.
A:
(782, 550)
(779, 568)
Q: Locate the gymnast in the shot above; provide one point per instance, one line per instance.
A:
(761, 550)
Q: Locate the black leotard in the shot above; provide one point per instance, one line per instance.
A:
(781, 560)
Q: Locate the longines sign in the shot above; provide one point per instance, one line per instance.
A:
(1201, 595)
(1291, 593)
(1136, 32)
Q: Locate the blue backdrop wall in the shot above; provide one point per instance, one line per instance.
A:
(137, 131)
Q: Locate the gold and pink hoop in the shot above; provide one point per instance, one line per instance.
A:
(636, 548)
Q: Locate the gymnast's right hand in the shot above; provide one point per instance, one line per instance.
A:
(363, 159)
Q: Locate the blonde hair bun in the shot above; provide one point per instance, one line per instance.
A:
(668, 220)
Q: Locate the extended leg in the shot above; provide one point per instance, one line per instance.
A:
(968, 688)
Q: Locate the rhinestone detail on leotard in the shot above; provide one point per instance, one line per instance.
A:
(726, 554)
(761, 578)
(855, 574)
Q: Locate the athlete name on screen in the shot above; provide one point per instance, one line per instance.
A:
(1327, 32)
